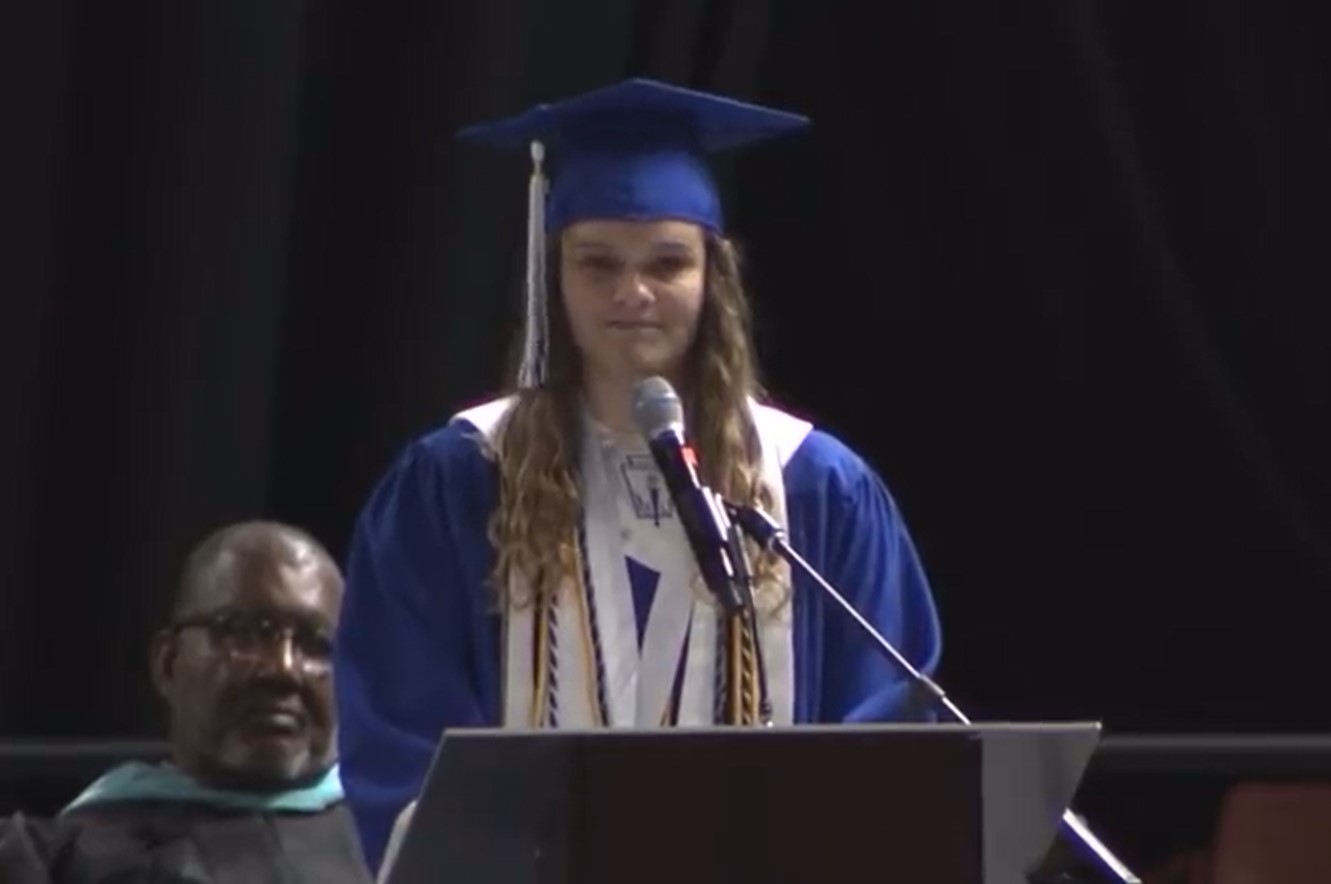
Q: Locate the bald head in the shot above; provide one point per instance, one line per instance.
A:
(255, 550)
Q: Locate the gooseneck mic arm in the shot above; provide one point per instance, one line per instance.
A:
(769, 534)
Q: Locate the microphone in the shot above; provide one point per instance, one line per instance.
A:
(659, 415)
(717, 542)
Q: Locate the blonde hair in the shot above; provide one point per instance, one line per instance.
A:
(534, 528)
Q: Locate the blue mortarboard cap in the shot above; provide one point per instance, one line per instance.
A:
(635, 150)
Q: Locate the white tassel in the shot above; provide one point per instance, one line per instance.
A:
(535, 347)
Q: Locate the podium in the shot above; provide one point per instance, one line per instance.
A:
(917, 804)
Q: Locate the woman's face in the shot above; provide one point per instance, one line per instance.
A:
(633, 291)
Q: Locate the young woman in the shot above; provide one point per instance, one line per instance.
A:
(522, 565)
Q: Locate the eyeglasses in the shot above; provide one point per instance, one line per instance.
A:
(252, 638)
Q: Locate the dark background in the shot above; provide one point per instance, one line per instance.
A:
(1057, 271)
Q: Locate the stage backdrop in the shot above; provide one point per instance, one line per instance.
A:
(1058, 272)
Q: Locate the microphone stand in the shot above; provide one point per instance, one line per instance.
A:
(767, 533)
(743, 577)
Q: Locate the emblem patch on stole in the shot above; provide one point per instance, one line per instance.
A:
(650, 499)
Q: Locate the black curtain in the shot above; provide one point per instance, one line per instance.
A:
(1056, 270)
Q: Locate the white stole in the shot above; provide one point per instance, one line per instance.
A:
(639, 687)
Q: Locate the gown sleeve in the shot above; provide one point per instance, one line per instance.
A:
(865, 551)
(412, 638)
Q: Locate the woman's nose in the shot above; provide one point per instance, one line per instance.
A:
(633, 289)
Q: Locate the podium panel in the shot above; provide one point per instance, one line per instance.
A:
(924, 804)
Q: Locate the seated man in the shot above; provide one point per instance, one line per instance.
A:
(251, 793)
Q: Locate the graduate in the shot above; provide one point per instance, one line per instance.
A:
(521, 565)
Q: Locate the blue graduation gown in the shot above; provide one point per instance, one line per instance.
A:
(419, 647)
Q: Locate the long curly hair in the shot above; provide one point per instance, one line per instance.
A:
(537, 446)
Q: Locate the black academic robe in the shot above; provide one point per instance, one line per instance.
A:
(162, 842)
(29, 849)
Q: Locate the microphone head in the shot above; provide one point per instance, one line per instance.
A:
(657, 407)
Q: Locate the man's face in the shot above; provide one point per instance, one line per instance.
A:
(247, 674)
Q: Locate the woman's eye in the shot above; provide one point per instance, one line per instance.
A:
(599, 264)
(666, 268)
